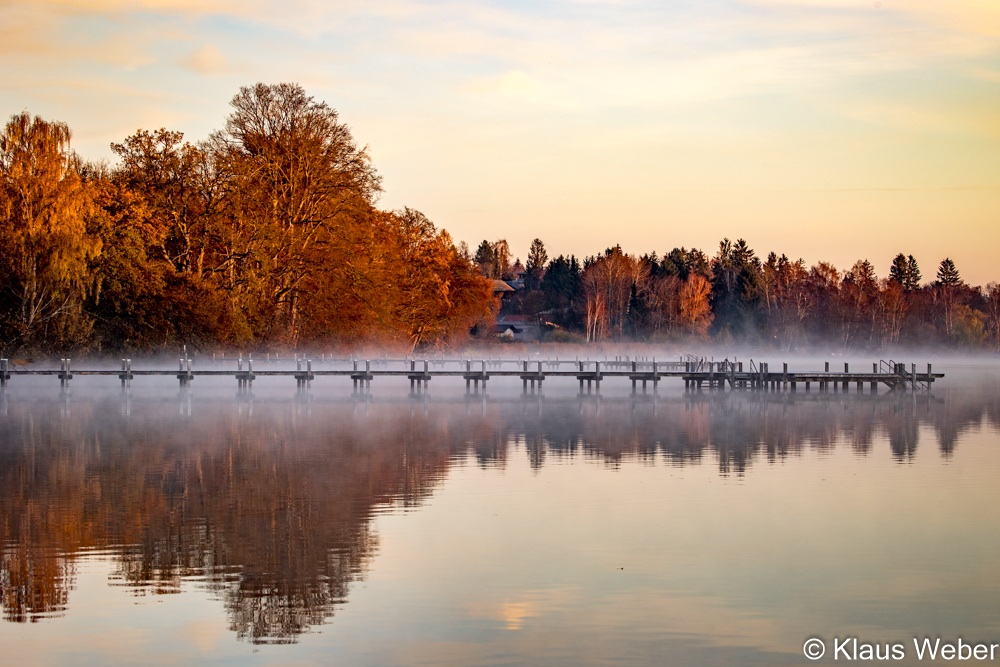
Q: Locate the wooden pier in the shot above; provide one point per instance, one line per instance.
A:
(697, 374)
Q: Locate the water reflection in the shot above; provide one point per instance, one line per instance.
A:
(269, 503)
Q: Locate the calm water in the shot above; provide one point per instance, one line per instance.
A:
(688, 529)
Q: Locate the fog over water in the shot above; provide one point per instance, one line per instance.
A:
(445, 527)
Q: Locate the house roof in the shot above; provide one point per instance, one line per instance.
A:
(501, 286)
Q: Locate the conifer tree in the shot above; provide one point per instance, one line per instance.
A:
(904, 270)
(947, 273)
(537, 257)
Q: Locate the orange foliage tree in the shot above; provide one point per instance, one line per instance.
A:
(45, 247)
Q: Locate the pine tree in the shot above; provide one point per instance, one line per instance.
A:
(912, 275)
(947, 293)
(537, 257)
(486, 259)
(947, 273)
(905, 272)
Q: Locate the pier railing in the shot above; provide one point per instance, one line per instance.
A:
(697, 373)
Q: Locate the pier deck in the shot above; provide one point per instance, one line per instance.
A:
(697, 374)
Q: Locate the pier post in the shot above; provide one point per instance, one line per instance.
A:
(4, 373)
(126, 375)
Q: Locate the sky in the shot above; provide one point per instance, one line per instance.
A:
(831, 130)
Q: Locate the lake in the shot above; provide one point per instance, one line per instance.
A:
(164, 526)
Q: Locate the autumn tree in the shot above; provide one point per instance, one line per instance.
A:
(992, 297)
(822, 285)
(405, 284)
(694, 305)
(657, 297)
(786, 298)
(856, 302)
(129, 286)
(609, 284)
(892, 306)
(501, 254)
(297, 180)
(440, 297)
(182, 191)
(45, 248)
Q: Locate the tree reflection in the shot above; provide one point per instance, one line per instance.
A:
(272, 511)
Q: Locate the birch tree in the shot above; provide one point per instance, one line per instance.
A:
(44, 242)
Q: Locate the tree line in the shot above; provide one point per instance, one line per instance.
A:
(267, 234)
(736, 296)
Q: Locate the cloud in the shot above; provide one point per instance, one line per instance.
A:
(974, 17)
(514, 84)
(206, 60)
(118, 7)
